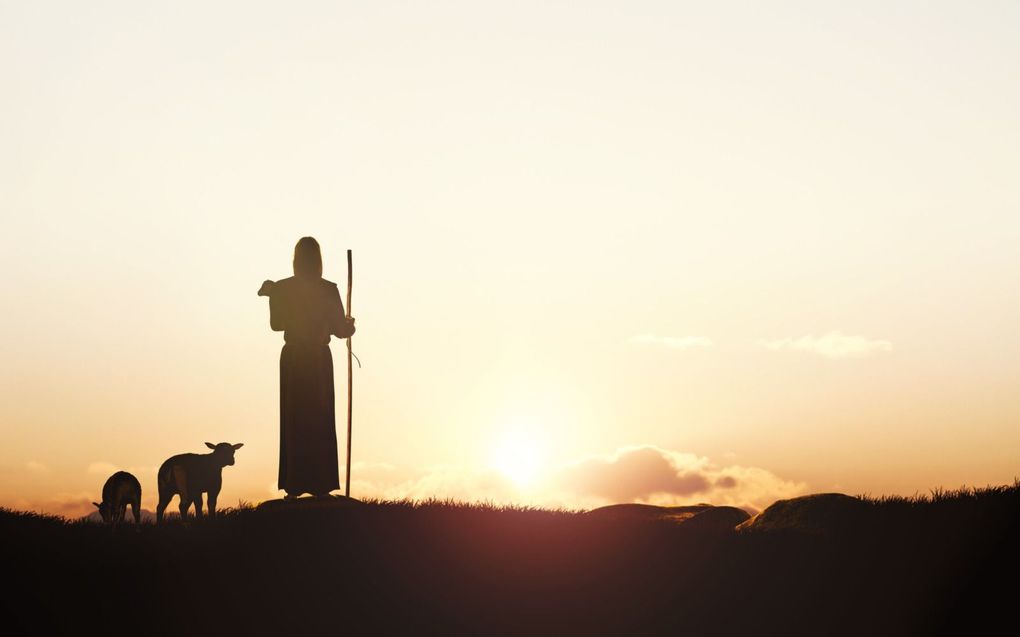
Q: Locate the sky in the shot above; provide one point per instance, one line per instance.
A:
(665, 252)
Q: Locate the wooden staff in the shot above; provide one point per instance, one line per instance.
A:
(350, 378)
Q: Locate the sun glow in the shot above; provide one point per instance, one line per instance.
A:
(518, 454)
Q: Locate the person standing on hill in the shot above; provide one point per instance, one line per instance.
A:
(308, 310)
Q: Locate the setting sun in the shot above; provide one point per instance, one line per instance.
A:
(517, 454)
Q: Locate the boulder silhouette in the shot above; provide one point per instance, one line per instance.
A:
(717, 519)
(703, 517)
(820, 513)
(647, 512)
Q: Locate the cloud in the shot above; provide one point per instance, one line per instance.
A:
(831, 345)
(671, 342)
(633, 474)
(467, 484)
(69, 505)
(36, 467)
(102, 468)
(652, 475)
(374, 468)
(726, 482)
(107, 469)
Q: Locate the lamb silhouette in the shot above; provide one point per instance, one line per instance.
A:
(189, 475)
(120, 490)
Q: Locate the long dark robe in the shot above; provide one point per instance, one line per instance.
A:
(308, 311)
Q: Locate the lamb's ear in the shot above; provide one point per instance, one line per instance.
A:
(238, 445)
(210, 445)
(98, 506)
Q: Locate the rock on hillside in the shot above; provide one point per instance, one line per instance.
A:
(703, 517)
(820, 513)
(310, 503)
(717, 519)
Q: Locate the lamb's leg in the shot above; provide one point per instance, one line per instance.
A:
(166, 493)
(198, 505)
(181, 480)
(211, 504)
(136, 512)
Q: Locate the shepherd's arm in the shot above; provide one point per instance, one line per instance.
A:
(276, 313)
(340, 325)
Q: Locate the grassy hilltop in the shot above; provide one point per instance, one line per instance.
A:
(889, 566)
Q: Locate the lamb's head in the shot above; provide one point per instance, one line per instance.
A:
(223, 453)
(105, 510)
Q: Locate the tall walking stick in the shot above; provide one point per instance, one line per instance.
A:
(350, 378)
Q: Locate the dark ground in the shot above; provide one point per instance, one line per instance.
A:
(943, 564)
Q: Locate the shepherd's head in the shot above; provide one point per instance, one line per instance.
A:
(307, 259)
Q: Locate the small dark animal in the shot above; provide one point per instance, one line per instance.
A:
(120, 490)
(189, 475)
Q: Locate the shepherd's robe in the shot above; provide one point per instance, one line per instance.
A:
(307, 311)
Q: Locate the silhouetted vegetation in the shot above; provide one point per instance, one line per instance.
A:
(908, 566)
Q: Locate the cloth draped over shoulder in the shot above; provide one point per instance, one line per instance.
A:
(308, 312)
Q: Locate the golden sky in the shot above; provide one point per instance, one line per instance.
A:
(608, 251)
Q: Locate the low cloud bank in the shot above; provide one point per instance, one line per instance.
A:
(644, 474)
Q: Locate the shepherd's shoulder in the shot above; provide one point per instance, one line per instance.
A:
(286, 283)
(294, 288)
(292, 281)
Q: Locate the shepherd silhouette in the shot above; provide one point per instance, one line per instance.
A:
(307, 309)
